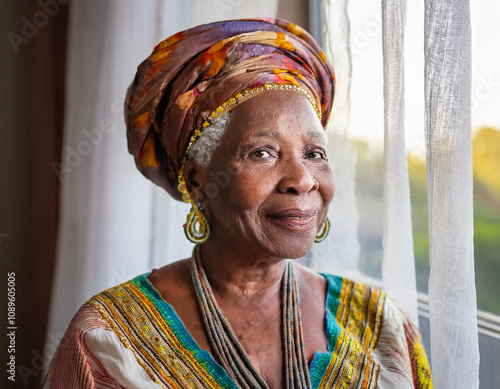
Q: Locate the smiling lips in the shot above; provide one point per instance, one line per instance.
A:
(294, 219)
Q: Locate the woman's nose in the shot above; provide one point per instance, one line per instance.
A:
(296, 177)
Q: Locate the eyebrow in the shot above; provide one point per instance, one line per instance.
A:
(316, 135)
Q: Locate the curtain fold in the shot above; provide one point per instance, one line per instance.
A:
(398, 267)
(339, 253)
(452, 294)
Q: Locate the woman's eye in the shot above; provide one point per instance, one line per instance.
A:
(316, 155)
(261, 154)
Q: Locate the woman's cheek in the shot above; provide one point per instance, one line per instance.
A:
(326, 187)
(250, 190)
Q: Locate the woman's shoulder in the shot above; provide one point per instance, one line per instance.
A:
(95, 350)
(347, 295)
(354, 307)
(375, 320)
(339, 283)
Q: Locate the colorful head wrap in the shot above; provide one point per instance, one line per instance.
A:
(191, 74)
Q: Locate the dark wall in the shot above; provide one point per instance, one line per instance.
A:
(32, 68)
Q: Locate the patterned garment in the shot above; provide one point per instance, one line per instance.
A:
(192, 73)
(129, 337)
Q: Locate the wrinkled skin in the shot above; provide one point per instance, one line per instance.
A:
(265, 194)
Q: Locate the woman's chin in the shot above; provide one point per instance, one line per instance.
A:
(292, 247)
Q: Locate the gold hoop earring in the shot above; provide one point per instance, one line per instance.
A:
(196, 228)
(323, 232)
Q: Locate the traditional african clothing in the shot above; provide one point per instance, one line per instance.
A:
(129, 337)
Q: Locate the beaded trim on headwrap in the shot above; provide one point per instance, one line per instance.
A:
(223, 108)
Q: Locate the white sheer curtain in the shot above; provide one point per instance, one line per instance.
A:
(452, 293)
(454, 333)
(398, 269)
(106, 207)
(114, 223)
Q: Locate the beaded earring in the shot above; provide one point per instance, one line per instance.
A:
(196, 228)
(323, 232)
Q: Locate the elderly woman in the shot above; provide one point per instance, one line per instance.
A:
(230, 118)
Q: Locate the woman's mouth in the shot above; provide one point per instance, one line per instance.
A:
(295, 219)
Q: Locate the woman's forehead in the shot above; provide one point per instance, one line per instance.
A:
(274, 100)
(273, 109)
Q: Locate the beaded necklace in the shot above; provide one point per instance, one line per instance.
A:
(227, 349)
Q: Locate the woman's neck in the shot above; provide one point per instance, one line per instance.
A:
(234, 273)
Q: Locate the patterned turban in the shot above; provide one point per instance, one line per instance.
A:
(192, 73)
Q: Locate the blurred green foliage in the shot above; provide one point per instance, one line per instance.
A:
(486, 169)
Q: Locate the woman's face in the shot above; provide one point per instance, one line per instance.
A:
(269, 184)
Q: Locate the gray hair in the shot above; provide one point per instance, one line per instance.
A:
(203, 149)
